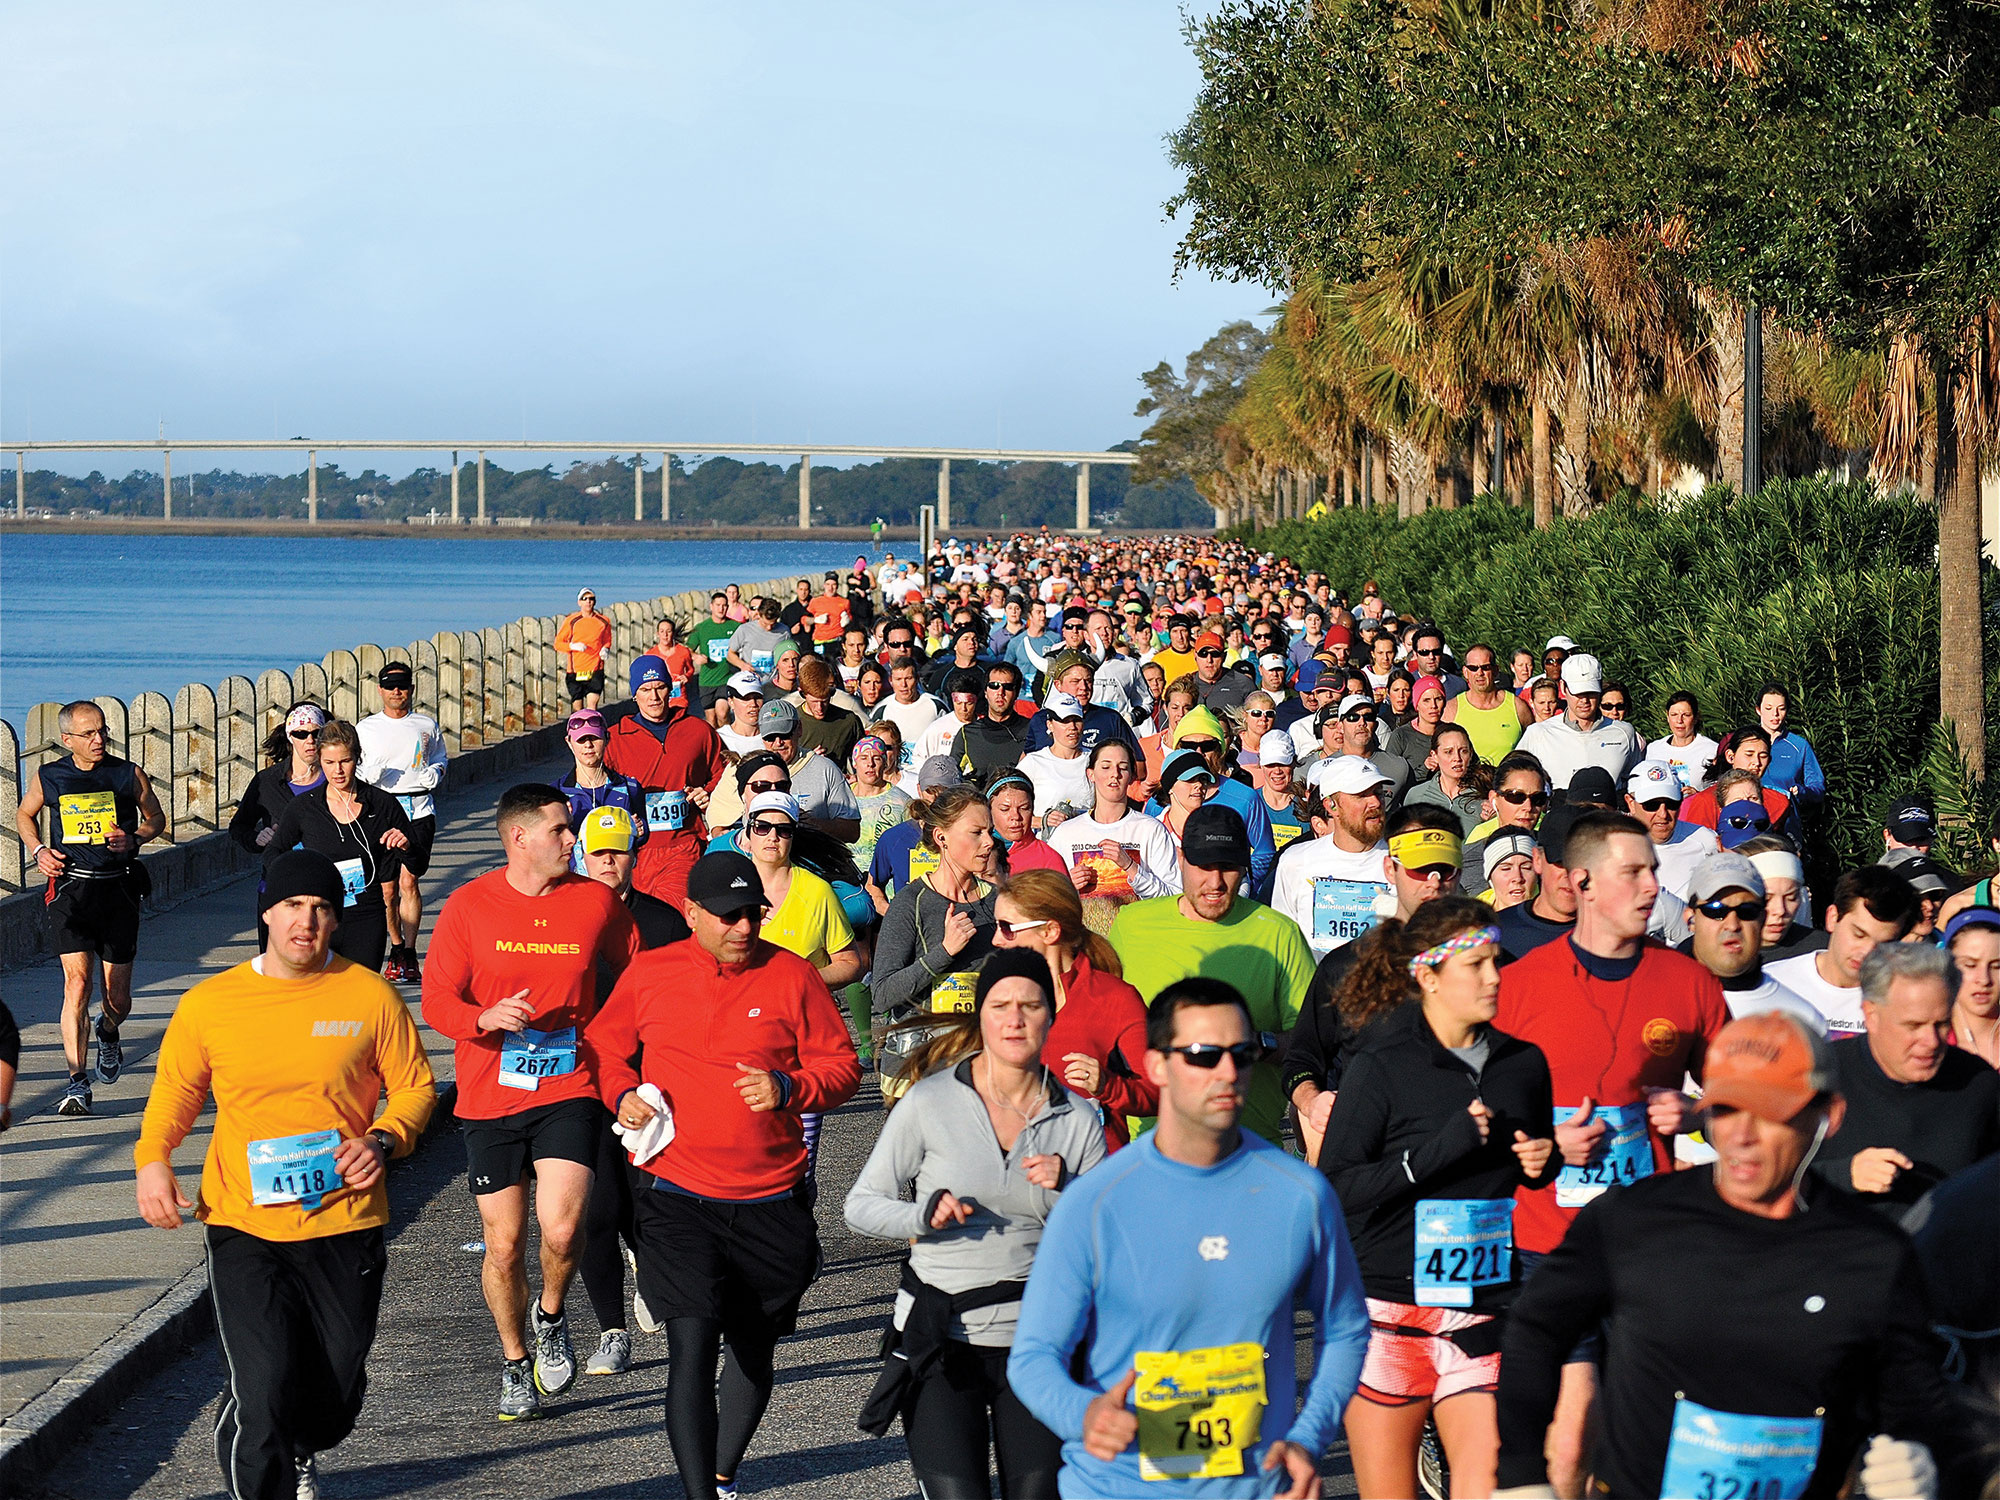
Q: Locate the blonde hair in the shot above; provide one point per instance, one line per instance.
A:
(1045, 896)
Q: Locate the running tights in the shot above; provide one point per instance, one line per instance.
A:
(608, 1215)
(948, 1417)
(710, 1425)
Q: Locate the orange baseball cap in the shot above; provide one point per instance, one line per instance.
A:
(1208, 639)
(1770, 1063)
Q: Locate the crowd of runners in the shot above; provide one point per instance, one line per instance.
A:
(1228, 952)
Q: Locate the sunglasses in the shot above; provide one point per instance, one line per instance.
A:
(1612, 705)
(297, 734)
(1201, 747)
(1659, 802)
(1720, 911)
(1259, 713)
(1536, 799)
(1479, 666)
(1358, 717)
(1015, 929)
(763, 828)
(1000, 687)
(770, 786)
(1208, 1054)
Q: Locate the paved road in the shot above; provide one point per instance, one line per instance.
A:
(429, 1429)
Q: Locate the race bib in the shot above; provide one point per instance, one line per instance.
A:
(408, 804)
(1114, 881)
(923, 861)
(666, 812)
(761, 662)
(528, 1056)
(1199, 1410)
(1627, 1155)
(353, 880)
(1283, 833)
(293, 1169)
(718, 651)
(1723, 1455)
(1342, 909)
(956, 993)
(1462, 1244)
(87, 817)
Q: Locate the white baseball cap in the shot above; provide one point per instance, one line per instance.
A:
(773, 801)
(1276, 749)
(1581, 674)
(746, 685)
(1559, 642)
(1651, 780)
(1061, 705)
(1352, 774)
(1351, 702)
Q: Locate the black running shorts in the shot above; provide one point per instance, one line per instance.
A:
(578, 686)
(94, 916)
(745, 1264)
(416, 856)
(499, 1152)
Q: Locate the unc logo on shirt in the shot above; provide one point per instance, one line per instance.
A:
(336, 1028)
(1213, 1247)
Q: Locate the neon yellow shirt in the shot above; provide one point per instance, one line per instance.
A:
(809, 921)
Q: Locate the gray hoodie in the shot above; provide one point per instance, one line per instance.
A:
(938, 1139)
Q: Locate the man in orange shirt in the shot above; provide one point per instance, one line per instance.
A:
(512, 980)
(829, 614)
(298, 1047)
(581, 642)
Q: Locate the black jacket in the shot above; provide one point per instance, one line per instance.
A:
(264, 802)
(1400, 1132)
(307, 820)
(1943, 1126)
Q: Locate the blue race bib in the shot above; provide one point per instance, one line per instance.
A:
(718, 649)
(1342, 909)
(408, 804)
(1627, 1155)
(528, 1056)
(353, 880)
(1462, 1243)
(761, 662)
(666, 812)
(1723, 1455)
(293, 1169)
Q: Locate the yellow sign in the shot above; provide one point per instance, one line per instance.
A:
(1199, 1410)
(87, 817)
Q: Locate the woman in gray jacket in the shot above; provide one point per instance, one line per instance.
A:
(966, 1170)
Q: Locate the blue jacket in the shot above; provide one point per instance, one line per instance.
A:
(1795, 770)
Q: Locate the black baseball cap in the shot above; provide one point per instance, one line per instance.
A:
(395, 674)
(1214, 836)
(724, 883)
(1553, 831)
(1911, 820)
(1593, 787)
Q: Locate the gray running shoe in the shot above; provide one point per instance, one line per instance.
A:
(643, 1315)
(555, 1356)
(518, 1400)
(76, 1098)
(308, 1477)
(110, 1056)
(614, 1353)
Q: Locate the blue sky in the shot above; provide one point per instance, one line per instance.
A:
(894, 223)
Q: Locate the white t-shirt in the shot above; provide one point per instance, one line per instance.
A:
(1563, 749)
(1334, 894)
(741, 744)
(1678, 857)
(912, 719)
(937, 737)
(1056, 780)
(404, 757)
(1691, 761)
(1841, 1007)
(1157, 872)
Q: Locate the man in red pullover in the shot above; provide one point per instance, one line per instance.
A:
(677, 757)
(741, 1039)
(1622, 1022)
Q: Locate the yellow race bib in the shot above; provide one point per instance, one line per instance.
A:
(923, 861)
(956, 994)
(1199, 1410)
(87, 817)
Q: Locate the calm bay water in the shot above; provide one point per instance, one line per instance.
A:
(85, 615)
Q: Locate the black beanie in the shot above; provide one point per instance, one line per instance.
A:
(300, 872)
(1016, 963)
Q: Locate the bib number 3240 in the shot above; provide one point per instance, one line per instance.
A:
(1725, 1455)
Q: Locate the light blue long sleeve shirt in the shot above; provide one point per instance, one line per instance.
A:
(1794, 769)
(1144, 1253)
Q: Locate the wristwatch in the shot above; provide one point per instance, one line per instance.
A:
(386, 1141)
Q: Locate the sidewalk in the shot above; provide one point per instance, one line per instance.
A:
(79, 1266)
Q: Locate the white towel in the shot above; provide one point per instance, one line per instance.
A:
(650, 1139)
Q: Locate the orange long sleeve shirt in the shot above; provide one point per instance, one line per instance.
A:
(284, 1057)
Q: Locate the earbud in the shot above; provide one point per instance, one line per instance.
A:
(1582, 882)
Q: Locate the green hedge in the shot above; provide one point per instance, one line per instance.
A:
(1829, 588)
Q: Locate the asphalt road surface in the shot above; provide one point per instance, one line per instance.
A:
(428, 1428)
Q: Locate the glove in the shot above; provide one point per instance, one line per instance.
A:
(1892, 1469)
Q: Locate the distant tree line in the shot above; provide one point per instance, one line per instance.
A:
(984, 496)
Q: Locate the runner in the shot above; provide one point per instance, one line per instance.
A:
(1622, 1022)
(293, 752)
(1212, 929)
(1492, 716)
(1114, 851)
(709, 641)
(1058, 771)
(609, 839)
(1972, 938)
(1072, 673)
(729, 1039)
(512, 979)
(403, 753)
(912, 712)
(1440, 1120)
(1582, 736)
(1794, 769)
(1653, 796)
(1334, 887)
(101, 811)
(582, 641)
(1685, 748)
(1455, 780)
(1510, 855)
(988, 1137)
(677, 759)
(1726, 902)
(1011, 800)
(1870, 906)
(996, 739)
(1188, 1369)
(753, 645)
(1280, 791)
(1551, 914)
(1098, 1039)
(298, 1047)
(1760, 1393)
(362, 829)
(588, 786)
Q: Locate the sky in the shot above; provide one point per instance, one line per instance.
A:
(693, 223)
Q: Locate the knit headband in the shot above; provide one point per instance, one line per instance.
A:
(1458, 942)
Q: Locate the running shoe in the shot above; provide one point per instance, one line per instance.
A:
(614, 1353)
(76, 1098)
(518, 1400)
(725, 1489)
(394, 969)
(412, 971)
(308, 1470)
(110, 1056)
(555, 1356)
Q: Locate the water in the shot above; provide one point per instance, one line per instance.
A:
(92, 614)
